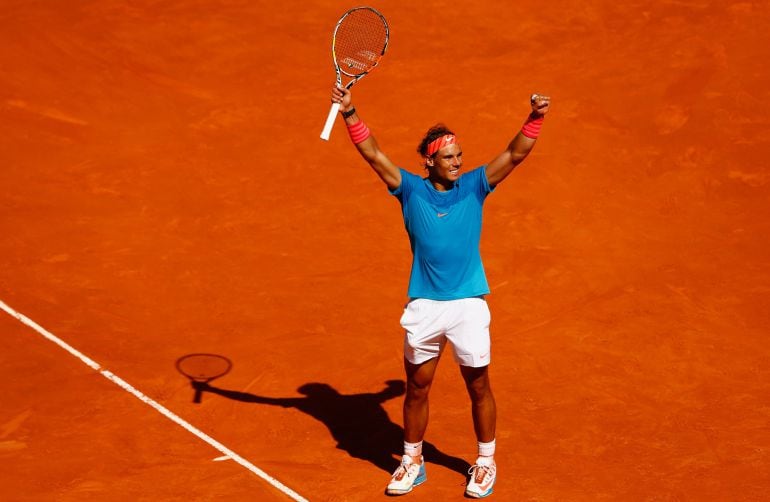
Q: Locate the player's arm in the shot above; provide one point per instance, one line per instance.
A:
(285, 402)
(364, 141)
(521, 144)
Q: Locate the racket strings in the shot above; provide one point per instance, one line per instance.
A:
(203, 367)
(360, 42)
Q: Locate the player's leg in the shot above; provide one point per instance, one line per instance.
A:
(470, 338)
(411, 471)
(483, 406)
(419, 378)
(484, 470)
(424, 341)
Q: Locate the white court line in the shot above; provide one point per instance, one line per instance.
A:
(158, 407)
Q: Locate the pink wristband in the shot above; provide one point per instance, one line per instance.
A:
(531, 127)
(358, 132)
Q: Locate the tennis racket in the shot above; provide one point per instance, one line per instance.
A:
(359, 42)
(201, 369)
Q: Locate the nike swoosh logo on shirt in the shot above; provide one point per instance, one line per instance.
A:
(441, 215)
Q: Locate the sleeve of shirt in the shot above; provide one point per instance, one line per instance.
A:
(485, 186)
(481, 182)
(403, 190)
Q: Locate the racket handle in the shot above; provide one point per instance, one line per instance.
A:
(330, 121)
(198, 385)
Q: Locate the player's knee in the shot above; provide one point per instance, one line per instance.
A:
(418, 388)
(477, 383)
(479, 391)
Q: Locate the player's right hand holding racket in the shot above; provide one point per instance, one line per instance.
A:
(359, 42)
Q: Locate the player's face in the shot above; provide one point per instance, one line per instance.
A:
(445, 165)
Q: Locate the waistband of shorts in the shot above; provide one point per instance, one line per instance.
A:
(480, 297)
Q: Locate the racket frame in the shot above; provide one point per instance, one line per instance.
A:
(203, 379)
(335, 107)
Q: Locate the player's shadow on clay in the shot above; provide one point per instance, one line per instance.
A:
(358, 422)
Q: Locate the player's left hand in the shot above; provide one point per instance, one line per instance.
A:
(540, 104)
(342, 96)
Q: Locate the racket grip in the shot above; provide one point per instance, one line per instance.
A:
(330, 121)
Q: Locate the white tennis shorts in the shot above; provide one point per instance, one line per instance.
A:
(464, 323)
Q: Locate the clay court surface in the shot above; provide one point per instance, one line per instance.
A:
(164, 191)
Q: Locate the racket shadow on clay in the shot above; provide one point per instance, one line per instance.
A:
(358, 422)
(201, 369)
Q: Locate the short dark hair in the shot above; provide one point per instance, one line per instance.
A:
(433, 134)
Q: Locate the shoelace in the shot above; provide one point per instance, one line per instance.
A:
(403, 468)
(487, 469)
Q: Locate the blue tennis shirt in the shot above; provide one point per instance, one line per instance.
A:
(444, 232)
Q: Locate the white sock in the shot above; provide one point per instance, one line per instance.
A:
(413, 449)
(486, 453)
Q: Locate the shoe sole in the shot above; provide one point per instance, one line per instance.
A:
(417, 482)
(480, 495)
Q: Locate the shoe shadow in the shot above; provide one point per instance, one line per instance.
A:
(358, 422)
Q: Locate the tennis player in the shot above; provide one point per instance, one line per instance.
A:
(447, 286)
